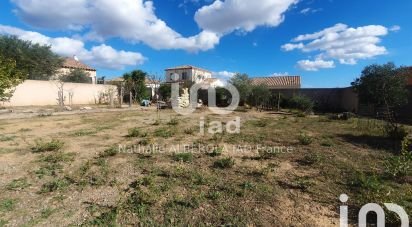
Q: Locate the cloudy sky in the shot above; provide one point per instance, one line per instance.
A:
(327, 42)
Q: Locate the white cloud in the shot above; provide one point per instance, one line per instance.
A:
(98, 56)
(280, 74)
(395, 28)
(307, 11)
(132, 20)
(223, 75)
(224, 17)
(342, 43)
(315, 65)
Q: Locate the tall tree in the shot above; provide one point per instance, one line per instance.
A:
(243, 85)
(10, 77)
(135, 82)
(382, 86)
(37, 60)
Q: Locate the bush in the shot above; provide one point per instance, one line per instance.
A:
(109, 152)
(53, 145)
(183, 157)
(301, 103)
(400, 166)
(173, 122)
(305, 139)
(217, 152)
(189, 131)
(395, 131)
(163, 132)
(224, 163)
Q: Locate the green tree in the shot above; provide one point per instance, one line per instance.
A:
(135, 82)
(165, 91)
(243, 85)
(10, 77)
(259, 95)
(76, 76)
(37, 60)
(382, 86)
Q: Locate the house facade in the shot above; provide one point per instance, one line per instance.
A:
(70, 64)
(187, 73)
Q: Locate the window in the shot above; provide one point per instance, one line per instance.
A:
(184, 76)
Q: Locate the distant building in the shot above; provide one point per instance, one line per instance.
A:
(278, 82)
(70, 64)
(187, 73)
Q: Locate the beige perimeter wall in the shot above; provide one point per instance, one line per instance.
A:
(40, 93)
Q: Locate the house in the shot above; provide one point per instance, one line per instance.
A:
(278, 82)
(73, 63)
(187, 73)
(151, 85)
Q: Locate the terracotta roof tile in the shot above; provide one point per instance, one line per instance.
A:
(278, 81)
(73, 64)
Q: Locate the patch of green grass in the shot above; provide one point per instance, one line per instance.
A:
(25, 130)
(7, 205)
(327, 143)
(107, 218)
(224, 163)
(135, 132)
(218, 151)
(110, 152)
(5, 138)
(183, 157)
(303, 183)
(51, 164)
(55, 185)
(366, 181)
(305, 139)
(3, 223)
(41, 146)
(18, 184)
(260, 123)
(163, 132)
(311, 159)
(84, 132)
(46, 213)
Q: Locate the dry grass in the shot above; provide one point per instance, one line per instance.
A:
(88, 181)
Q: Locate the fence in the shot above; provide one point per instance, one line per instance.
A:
(42, 93)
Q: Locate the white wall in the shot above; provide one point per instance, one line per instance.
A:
(41, 93)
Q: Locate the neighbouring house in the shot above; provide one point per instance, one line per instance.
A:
(278, 82)
(186, 73)
(74, 63)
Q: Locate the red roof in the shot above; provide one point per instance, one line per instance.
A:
(278, 82)
(71, 63)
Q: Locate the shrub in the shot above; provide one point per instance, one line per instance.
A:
(189, 131)
(53, 145)
(217, 152)
(305, 139)
(311, 159)
(54, 185)
(224, 163)
(395, 131)
(183, 157)
(267, 153)
(400, 166)
(18, 184)
(369, 182)
(7, 205)
(301, 103)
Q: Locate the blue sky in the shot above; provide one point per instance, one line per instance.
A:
(260, 38)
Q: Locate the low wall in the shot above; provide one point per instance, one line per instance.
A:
(42, 93)
(327, 99)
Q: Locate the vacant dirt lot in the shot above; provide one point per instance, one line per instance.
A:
(280, 170)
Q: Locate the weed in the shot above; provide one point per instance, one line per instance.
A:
(311, 159)
(25, 130)
(110, 152)
(218, 151)
(7, 205)
(45, 213)
(4, 138)
(327, 143)
(303, 183)
(183, 157)
(18, 184)
(53, 145)
(189, 131)
(261, 123)
(84, 132)
(401, 165)
(163, 132)
(224, 163)
(157, 122)
(173, 122)
(305, 139)
(267, 153)
(55, 185)
(133, 132)
(105, 219)
(369, 182)
(3, 223)
(213, 195)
